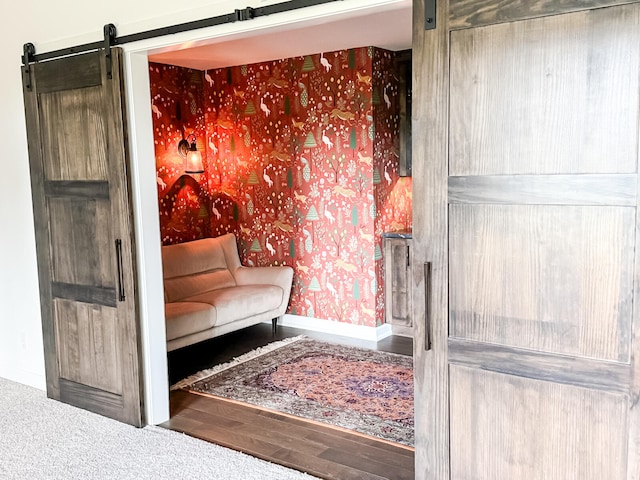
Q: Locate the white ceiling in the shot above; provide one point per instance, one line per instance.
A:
(390, 29)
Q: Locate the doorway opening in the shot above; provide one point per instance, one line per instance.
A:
(246, 117)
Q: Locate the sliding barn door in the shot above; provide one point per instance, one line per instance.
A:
(526, 200)
(84, 234)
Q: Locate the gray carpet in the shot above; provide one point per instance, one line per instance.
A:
(44, 439)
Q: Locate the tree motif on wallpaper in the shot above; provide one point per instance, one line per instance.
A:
(289, 153)
(253, 178)
(255, 246)
(354, 217)
(250, 109)
(312, 217)
(338, 237)
(310, 141)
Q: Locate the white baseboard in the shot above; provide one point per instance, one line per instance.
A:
(31, 379)
(362, 332)
(402, 331)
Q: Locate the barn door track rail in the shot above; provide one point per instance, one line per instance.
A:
(110, 39)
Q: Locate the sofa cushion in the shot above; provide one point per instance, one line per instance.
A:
(241, 302)
(185, 318)
(179, 288)
(193, 257)
(199, 266)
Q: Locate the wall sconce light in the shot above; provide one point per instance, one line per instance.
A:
(192, 157)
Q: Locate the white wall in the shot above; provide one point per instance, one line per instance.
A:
(52, 25)
(49, 25)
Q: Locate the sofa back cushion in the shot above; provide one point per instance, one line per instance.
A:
(199, 266)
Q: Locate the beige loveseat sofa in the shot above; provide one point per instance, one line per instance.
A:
(209, 293)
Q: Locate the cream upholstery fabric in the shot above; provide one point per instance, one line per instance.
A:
(193, 257)
(236, 303)
(197, 267)
(180, 288)
(184, 318)
(208, 292)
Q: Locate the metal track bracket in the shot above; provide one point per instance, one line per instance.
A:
(29, 50)
(245, 14)
(429, 14)
(109, 38)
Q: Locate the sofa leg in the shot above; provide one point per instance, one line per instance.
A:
(274, 325)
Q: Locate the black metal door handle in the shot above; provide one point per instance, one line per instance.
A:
(121, 296)
(427, 306)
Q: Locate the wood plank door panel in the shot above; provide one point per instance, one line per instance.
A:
(529, 187)
(505, 426)
(84, 235)
(397, 255)
(548, 85)
(557, 279)
(78, 259)
(71, 112)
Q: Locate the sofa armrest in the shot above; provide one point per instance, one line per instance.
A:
(280, 276)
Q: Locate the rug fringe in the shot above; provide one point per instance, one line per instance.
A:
(196, 377)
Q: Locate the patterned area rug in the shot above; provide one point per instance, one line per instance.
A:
(367, 391)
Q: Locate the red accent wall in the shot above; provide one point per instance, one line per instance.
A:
(185, 201)
(301, 162)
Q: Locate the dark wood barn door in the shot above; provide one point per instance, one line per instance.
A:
(84, 234)
(526, 208)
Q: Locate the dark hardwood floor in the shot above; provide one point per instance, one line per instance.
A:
(293, 442)
(189, 360)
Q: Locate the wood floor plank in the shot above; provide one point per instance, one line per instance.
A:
(364, 463)
(183, 424)
(224, 437)
(283, 435)
(389, 454)
(347, 438)
(322, 468)
(206, 418)
(179, 400)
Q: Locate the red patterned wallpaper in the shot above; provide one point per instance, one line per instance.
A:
(185, 201)
(301, 162)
